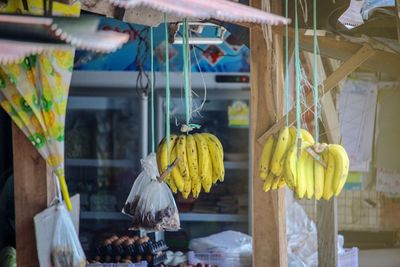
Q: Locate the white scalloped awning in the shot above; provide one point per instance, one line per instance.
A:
(14, 51)
(151, 12)
(43, 33)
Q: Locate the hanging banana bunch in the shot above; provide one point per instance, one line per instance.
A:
(200, 165)
(310, 169)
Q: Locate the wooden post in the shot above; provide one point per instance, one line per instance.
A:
(268, 209)
(31, 196)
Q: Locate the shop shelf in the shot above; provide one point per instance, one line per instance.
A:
(138, 264)
(185, 217)
(117, 163)
(212, 217)
(103, 215)
(122, 163)
(236, 165)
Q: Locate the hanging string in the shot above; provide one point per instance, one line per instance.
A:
(298, 72)
(152, 88)
(287, 64)
(167, 89)
(316, 115)
(186, 74)
(186, 69)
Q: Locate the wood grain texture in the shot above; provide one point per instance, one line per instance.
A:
(327, 229)
(268, 209)
(341, 73)
(30, 196)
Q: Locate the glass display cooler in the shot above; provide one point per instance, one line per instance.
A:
(106, 136)
(107, 133)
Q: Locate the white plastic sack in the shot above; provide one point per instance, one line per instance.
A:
(150, 202)
(66, 250)
(225, 249)
(226, 242)
(302, 238)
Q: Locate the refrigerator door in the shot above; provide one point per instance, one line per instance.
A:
(106, 136)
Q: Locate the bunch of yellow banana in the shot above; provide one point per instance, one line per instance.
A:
(273, 167)
(287, 162)
(201, 162)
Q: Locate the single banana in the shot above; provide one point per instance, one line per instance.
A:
(280, 150)
(306, 136)
(268, 182)
(301, 182)
(319, 178)
(163, 153)
(329, 174)
(341, 167)
(309, 171)
(191, 150)
(183, 165)
(266, 156)
(205, 165)
(291, 167)
(171, 183)
(175, 173)
(217, 157)
(282, 183)
(275, 183)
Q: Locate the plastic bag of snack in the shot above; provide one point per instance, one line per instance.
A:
(150, 202)
(140, 183)
(66, 250)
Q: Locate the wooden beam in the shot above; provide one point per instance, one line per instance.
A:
(31, 196)
(337, 48)
(268, 209)
(327, 230)
(341, 73)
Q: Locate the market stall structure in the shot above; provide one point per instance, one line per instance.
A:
(268, 214)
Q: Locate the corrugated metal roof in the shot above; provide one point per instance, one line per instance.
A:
(152, 11)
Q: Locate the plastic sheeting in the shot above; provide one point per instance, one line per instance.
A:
(302, 238)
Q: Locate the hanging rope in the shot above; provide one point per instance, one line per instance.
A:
(287, 64)
(152, 89)
(186, 69)
(316, 115)
(298, 73)
(167, 89)
(187, 127)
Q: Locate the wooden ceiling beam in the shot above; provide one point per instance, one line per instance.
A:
(351, 64)
(333, 47)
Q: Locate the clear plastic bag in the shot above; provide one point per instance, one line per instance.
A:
(66, 250)
(140, 183)
(150, 202)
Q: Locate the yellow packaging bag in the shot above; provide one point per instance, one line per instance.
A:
(238, 114)
(35, 7)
